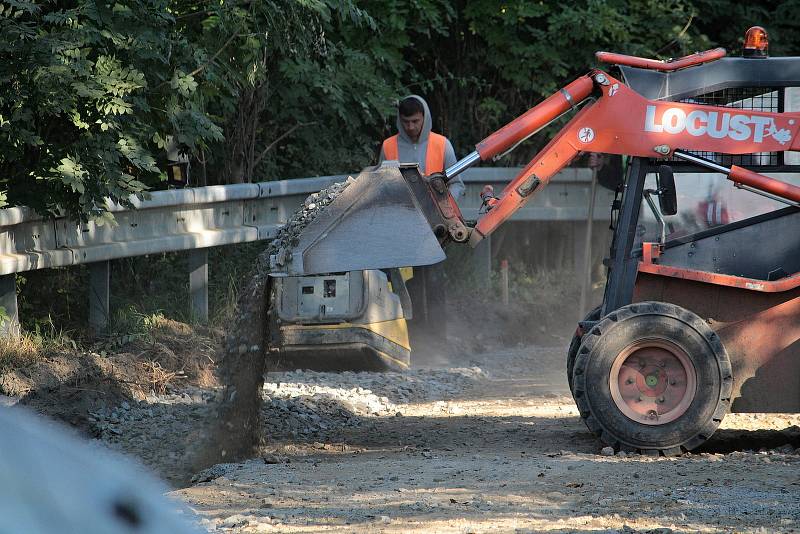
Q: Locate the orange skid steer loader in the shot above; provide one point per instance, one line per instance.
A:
(701, 311)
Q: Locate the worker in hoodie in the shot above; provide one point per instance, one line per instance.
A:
(416, 143)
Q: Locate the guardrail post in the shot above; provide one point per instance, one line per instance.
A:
(482, 259)
(8, 300)
(504, 281)
(99, 292)
(198, 285)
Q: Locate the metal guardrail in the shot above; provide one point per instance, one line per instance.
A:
(566, 198)
(196, 218)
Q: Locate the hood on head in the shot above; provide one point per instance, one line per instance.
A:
(426, 123)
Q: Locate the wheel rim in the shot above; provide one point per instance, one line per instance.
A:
(653, 381)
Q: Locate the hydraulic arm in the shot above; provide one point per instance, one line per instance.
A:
(396, 217)
(614, 119)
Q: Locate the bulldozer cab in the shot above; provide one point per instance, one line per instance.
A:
(705, 201)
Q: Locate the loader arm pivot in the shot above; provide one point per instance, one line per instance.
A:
(535, 176)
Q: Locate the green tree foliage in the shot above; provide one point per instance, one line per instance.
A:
(295, 84)
(725, 21)
(89, 93)
(494, 60)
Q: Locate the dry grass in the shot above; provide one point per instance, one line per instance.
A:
(17, 352)
(31, 347)
(154, 354)
(226, 304)
(171, 352)
(31, 356)
(159, 378)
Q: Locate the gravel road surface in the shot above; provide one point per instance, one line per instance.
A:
(490, 443)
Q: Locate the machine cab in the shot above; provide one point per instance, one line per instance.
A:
(728, 254)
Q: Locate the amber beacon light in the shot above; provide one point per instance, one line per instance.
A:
(756, 43)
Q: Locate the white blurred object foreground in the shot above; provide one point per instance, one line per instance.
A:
(51, 481)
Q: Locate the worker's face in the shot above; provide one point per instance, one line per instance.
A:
(412, 125)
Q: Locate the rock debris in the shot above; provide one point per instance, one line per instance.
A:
(289, 235)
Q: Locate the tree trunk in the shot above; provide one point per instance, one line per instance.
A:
(241, 133)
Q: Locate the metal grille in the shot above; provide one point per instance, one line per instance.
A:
(767, 99)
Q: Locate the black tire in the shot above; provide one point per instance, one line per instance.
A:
(639, 325)
(575, 344)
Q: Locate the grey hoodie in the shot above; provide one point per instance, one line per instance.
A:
(410, 152)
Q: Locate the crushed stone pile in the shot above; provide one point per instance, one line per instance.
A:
(419, 385)
(309, 403)
(161, 430)
(108, 423)
(288, 235)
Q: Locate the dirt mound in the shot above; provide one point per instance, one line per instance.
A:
(68, 386)
(62, 380)
(175, 352)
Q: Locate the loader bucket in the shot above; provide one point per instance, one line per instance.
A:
(388, 217)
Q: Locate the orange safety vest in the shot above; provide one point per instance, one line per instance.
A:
(434, 158)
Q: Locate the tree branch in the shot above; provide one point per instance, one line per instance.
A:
(280, 138)
(216, 54)
(207, 63)
(677, 37)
